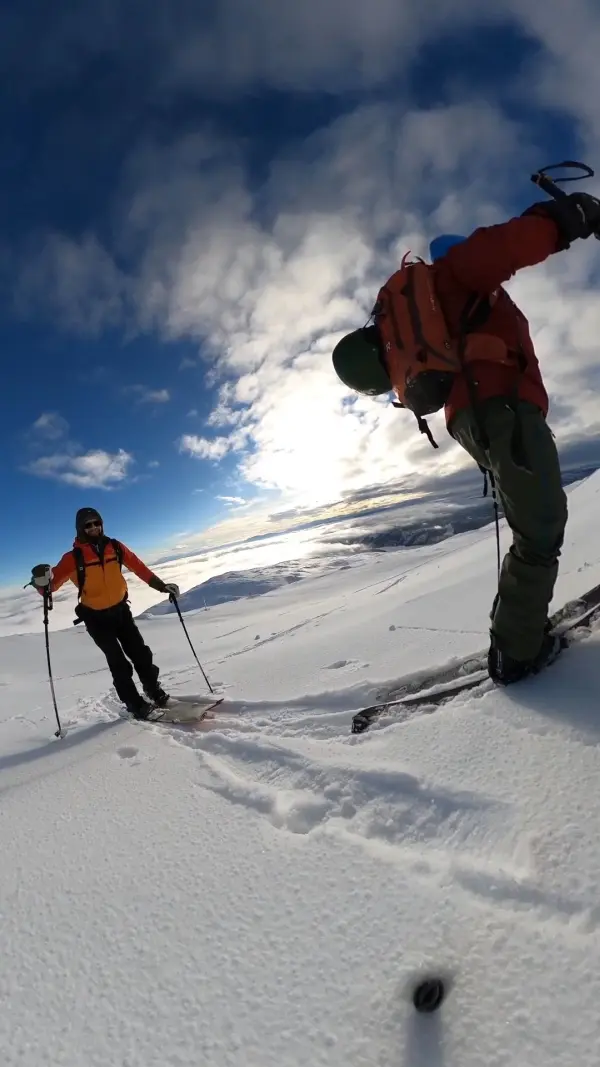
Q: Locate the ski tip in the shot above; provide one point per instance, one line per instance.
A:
(428, 995)
(362, 719)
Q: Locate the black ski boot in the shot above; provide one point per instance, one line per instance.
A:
(157, 696)
(504, 670)
(140, 708)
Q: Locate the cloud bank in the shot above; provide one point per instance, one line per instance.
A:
(266, 272)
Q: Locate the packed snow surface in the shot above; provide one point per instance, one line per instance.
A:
(261, 890)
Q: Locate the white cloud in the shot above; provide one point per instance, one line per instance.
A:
(50, 426)
(76, 281)
(272, 303)
(565, 73)
(232, 46)
(153, 463)
(149, 396)
(202, 448)
(95, 469)
(232, 499)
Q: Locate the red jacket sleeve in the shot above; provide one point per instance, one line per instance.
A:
(493, 254)
(134, 564)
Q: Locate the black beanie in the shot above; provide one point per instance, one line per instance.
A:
(84, 515)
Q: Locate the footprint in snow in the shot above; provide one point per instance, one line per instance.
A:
(127, 752)
(339, 663)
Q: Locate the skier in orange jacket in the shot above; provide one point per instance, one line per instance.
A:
(94, 566)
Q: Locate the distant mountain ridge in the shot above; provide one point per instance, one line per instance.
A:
(450, 518)
(237, 585)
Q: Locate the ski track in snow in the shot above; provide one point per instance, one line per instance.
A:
(289, 632)
(434, 835)
(392, 815)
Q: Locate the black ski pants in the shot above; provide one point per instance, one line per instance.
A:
(116, 633)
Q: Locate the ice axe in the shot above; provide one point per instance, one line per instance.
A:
(551, 186)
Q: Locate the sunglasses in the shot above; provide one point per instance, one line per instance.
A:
(95, 524)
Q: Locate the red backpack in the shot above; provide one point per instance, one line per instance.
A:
(422, 358)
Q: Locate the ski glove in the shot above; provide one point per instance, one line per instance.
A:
(163, 587)
(41, 575)
(576, 215)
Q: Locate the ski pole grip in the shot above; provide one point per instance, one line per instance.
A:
(41, 575)
(548, 185)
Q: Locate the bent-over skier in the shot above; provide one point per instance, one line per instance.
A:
(493, 395)
(94, 566)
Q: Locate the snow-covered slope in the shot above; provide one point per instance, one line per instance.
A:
(236, 585)
(259, 891)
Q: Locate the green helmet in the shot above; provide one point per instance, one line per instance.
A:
(358, 364)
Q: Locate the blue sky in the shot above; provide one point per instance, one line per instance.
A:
(197, 203)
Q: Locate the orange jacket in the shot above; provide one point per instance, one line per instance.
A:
(482, 264)
(104, 585)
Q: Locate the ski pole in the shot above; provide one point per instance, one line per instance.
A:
(42, 570)
(173, 600)
(47, 608)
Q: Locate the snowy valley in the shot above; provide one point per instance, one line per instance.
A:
(261, 890)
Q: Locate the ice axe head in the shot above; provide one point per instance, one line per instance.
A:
(550, 185)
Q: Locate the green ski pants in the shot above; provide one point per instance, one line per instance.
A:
(521, 454)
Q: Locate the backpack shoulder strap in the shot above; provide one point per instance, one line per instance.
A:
(474, 314)
(118, 547)
(80, 563)
(80, 568)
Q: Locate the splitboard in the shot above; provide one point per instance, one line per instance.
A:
(183, 709)
(471, 672)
